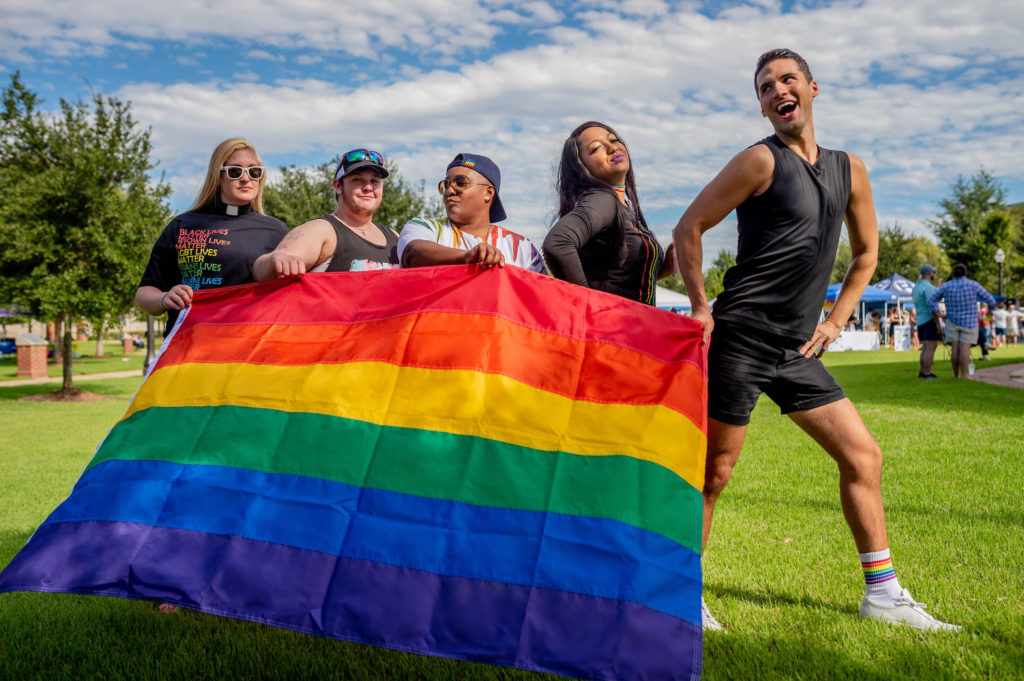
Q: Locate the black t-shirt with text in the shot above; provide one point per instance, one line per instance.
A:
(210, 249)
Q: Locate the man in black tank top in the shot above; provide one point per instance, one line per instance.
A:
(791, 197)
(347, 239)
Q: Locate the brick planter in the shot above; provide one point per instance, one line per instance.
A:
(31, 356)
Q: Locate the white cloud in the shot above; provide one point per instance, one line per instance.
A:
(920, 89)
(262, 54)
(431, 25)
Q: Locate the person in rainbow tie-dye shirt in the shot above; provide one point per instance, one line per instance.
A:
(468, 234)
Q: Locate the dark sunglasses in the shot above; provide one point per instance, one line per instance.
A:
(461, 182)
(255, 173)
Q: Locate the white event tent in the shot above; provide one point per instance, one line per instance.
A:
(667, 299)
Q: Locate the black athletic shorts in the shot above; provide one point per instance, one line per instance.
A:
(744, 362)
(929, 331)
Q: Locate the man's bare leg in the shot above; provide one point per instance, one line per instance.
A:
(960, 355)
(724, 444)
(928, 356)
(838, 428)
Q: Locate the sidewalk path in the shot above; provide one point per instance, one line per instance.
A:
(1010, 375)
(77, 377)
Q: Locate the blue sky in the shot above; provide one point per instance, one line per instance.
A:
(922, 90)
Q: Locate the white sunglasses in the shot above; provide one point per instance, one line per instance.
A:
(235, 172)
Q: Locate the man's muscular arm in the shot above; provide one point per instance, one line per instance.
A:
(749, 172)
(300, 250)
(862, 227)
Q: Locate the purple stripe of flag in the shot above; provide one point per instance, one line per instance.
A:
(527, 627)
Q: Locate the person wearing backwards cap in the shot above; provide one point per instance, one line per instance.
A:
(468, 235)
(929, 328)
(347, 240)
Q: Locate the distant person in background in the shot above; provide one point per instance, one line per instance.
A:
(347, 240)
(874, 322)
(929, 328)
(215, 242)
(889, 324)
(911, 320)
(961, 296)
(985, 330)
(1013, 316)
(601, 239)
(468, 234)
(999, 325)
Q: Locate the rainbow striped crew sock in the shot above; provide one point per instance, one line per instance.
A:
(879, 576)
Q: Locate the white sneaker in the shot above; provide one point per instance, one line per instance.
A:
(904, 610)
(709, 621)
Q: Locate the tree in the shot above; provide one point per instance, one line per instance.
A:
(974, 223)
(712, 276)
(894, 253)
(673, 282)
(1014, 267)
(303, 194)
(924, 251)
(78, 210)
(844, 255)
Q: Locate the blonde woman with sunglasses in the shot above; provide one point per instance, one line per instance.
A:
(215, 242)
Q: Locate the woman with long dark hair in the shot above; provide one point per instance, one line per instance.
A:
(601, 239)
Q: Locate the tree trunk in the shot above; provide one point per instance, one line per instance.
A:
(58, 340)
(68, 386)
(100, 327)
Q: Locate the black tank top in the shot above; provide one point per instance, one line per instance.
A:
(355, 254)
(787, 244)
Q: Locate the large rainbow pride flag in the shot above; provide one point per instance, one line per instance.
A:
(487, 465)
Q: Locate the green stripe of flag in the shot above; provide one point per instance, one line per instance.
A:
(424, 463)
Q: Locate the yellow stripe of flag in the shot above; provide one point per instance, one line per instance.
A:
(460, 402)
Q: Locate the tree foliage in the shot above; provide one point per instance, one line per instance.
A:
(302, 194)
(842, 262)
(903, 254)
(974, 223)
(1014, 266)
(712, 276)
(78, 210)
(715, 276)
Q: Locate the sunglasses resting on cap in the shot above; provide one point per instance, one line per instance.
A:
(358, 159)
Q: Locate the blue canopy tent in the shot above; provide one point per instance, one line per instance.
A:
(871, 296)
(898, 284)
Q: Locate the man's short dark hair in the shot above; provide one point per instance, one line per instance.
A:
(782, 53)
(959, 270)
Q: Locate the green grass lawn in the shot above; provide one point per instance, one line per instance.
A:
(781, 570)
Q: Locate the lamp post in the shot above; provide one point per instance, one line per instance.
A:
(1000, 259)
